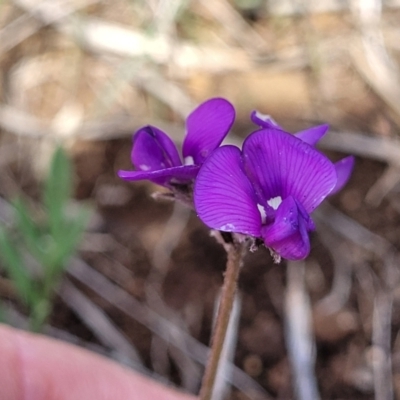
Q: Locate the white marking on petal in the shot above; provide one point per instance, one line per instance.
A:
(266, 118)
(262, 212)
(275, 202)
(227, 227)
(188, 160)
(144, 167)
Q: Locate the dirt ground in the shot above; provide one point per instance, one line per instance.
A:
(162, 270)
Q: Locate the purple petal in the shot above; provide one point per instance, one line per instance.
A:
(264, 120)
(310, 226)
(288, 236)
(312, 135)
(206, 128)
(153, 150)
(344, 168)
(279, 164)
(223, 196)
(180, 175)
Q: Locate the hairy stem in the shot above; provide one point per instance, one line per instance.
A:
(234, 254)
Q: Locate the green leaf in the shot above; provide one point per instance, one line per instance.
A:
(66, 246)
(77, 227)
(16, 268)
(29, 230)
(39, 314)
(3, 315)
(58, 190)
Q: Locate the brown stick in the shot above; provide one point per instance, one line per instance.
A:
(234, 253)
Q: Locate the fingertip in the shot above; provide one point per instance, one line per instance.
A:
(38, 368)
(10, 384)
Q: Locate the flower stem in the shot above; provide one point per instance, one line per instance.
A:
(235, 254)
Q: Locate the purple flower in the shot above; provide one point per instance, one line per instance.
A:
(156, 158)
(269, 189)
(312, 136)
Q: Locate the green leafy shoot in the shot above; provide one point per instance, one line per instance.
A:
(57, 191)
(28, 229)
(16, 268)
(48, 239)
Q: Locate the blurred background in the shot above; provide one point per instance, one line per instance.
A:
(139, 278)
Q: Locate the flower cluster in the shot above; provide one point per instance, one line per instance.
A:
(266, 190)
(156, 158)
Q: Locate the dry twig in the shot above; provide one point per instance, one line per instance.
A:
(99, 323)
(371, 58)
(343, 268)
(224, 374)
(352, 230)
(381, 345)
(377, 148)
(383, 186)
(299, 338)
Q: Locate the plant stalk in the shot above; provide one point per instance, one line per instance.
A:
(235, 254)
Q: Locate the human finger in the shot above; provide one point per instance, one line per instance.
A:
(35, 367)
